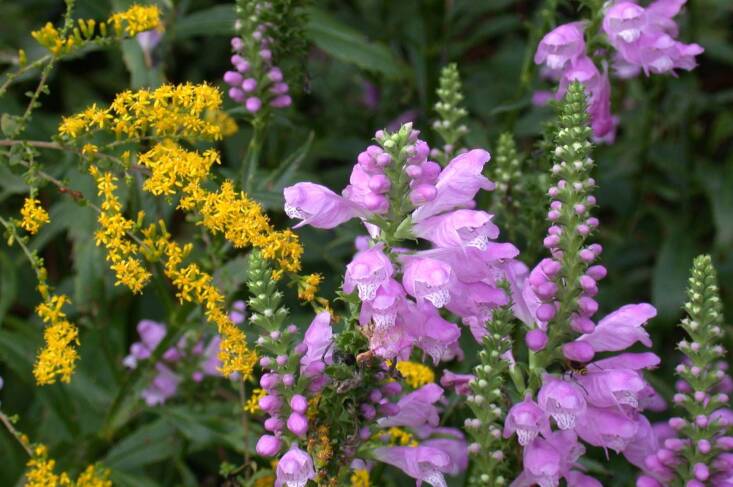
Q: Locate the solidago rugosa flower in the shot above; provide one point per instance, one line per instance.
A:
(122, 251)
(695, 449)
(308, 287)
(34, 215)
(136, 19)
(253, 403)
(170, 111)
(128, 23)
(415, 374)
(40, 473)
(58, 356)
(240, 219)
(360, 478)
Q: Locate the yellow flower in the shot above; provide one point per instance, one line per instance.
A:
(136, 19)
(415, 374)
(41, 473)
(113, 235)
(253, 403)
(360, 478)
(223, 120)
(34, 216)
(397, 437)
(58, 356)
(308, 286)
(175, 111)
(265, 481)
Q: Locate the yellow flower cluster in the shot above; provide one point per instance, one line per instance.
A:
(121, 250)
(34, 216)
(398, 437)
(252, 406)
(130, 22)
(196, 286)
(170, 111)
(415, 374)
(58, 356)
(41, 473)
(360, 478)
(308, 287)
(223, 120)
(136, 19)
(232, 213)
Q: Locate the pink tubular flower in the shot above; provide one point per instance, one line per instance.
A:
(457, 184)
(562, 400)
(547, 460)
(459, 228)
(368, 270)
(317, 339)
(527, 420)
(317, 206)
(428, 279)
(416, 409)
(429, 331)
(163, 386)
(423, 463)
(621, 329)
(460, 382)
(624, 22)
(560, 46)
(606, 428)
(294, 469)
(383, 308)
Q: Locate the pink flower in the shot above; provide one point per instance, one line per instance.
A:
(527, 420)
(383, 308)
(606, 428)
(368, 270)
(423, 463)
(163, 386)
(457, 184)
(294, 469)
(429, 331)
(416, 409)
(458, 381)
(561, 45)
(621, 329)
(459, 228)
(624, 22)
(563, 400)
(317, 339)
(428, 279)
(317, 206)
(547, 460)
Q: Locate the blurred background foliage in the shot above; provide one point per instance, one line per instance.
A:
(666, 189)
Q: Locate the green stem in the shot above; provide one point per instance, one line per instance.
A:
(252, 158)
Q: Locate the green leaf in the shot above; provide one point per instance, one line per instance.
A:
(150, 444)
(718, 184)
(231, 275)
(283, 174)
(142, 74)
(217, 20)
(351, 46)
(670, 273)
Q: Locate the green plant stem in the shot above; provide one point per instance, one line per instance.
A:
(15, 433)
(252, 158)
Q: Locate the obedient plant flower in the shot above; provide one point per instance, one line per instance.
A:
(600, 403)
(294, 469)
(425, 464)
(199, 358)
(256, 80)
(401, 195)
(318, 206)
(643, 39)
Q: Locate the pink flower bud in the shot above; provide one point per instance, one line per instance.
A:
(299, 403)
(268, 446)
(249, 85)
(545, 312)
(536, 340)
(233, 78)
(578, 352)
(282, 101)
(253, 104)
(297, 424)
(237, 43)
(236, 94)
